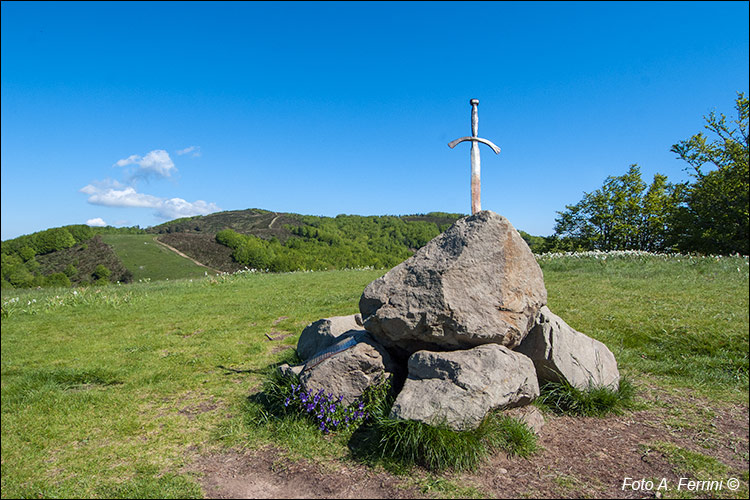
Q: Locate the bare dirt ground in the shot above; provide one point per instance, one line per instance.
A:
(580, 457)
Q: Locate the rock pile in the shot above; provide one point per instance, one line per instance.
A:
(465, 321)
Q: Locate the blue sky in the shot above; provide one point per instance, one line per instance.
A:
(137, 113)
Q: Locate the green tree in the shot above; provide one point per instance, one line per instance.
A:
(52, 240)
(15, 272)
(659, 206)
(621, 215)
(715, 218)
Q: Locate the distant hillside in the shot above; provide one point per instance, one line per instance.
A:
(281, 242)
(224, 241)
(261, 223)
(147, 259)
(80, 262)
(203, 248)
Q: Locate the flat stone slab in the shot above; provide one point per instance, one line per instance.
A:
(322, 333)
(348, 373)
(561, 353)
(460, 387)
(476, 283)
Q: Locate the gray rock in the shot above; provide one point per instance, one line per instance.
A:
(290, 371)
(460, 387)
(561, 353)
(350, 372)
(476, 283)
(529, 415)
(323, 333)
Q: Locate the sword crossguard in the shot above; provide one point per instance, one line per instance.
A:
(455, 143)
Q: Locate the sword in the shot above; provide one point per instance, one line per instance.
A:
(476, 188)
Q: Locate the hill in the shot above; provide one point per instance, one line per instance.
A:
(221, 242)
(258, 222)
(146, 259)
(79, 263)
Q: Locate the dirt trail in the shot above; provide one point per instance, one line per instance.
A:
(270, 224)
(173, 249)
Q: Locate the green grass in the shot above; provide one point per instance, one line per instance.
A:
(148, 260)
(679, 319)
(113, 390)
(105, 390)
(564, 399)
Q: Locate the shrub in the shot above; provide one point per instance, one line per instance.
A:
(56, 280)
(70, 271)
(101, 272)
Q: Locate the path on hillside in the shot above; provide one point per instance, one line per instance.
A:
(169, 247)
(270, 224)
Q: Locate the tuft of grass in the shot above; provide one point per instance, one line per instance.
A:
(564, 399)
(400, 444)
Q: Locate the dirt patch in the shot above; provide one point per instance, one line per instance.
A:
(191, 411)
(267, 473)
(586, 457)
(274, 336)
(580, 457)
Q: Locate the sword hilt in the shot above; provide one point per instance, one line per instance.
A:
(474, 117)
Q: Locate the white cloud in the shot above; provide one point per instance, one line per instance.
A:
(177, 207)
(128, 161)
(171, 208)
(196, 150)
(98, 222)
(128, 197)
(156, 162)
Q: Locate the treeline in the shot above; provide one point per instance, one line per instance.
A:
(344, 241)
(25, 262)
(708, 215)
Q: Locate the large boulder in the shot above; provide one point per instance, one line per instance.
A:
(323, 333)
(561, 353)
(458, 388)
(474, 284)
(349, 372)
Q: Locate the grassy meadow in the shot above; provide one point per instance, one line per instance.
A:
(147, 259)
(112, 391)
